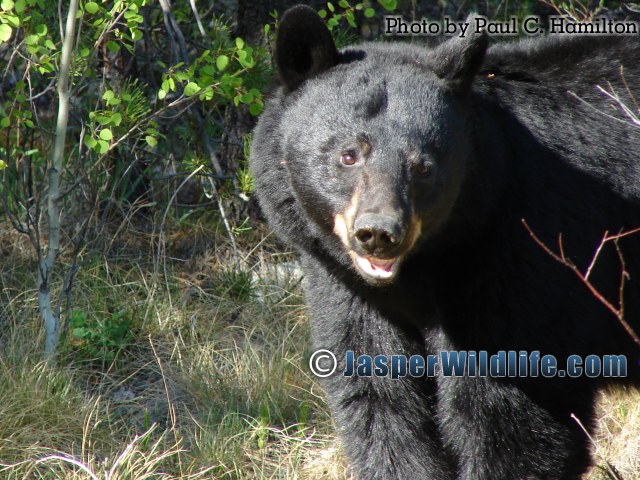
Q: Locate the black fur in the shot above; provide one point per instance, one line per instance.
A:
(514, 132)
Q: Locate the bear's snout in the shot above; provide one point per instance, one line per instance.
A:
(378, 235)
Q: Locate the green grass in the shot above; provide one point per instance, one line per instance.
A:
(209, 380)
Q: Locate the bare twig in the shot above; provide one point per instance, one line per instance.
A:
(175, 34)
(623, 79)
(599, 111)
(610, 470)
(198, 21)
(621, 105)
(618, 311)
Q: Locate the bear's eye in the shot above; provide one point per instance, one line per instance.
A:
(423, 169)
(349, 158)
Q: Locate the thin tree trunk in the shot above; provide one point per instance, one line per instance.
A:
(51, 317)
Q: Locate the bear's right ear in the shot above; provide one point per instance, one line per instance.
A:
(304, 47)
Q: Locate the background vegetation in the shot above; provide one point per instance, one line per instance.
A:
(177, 337)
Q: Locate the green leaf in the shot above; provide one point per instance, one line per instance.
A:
(351, 18)
(6, 5)
(246, 97)
(245, 59)
(3, 165)
(151, 141)
(103, 147)
(369, 12)
(222, 62)
(79, 332)
(130, 15)
(106, 134)
(41, 30)
(108, 95)
(239, 43)
(162, 94)
(12, 20)
(322, 13)
(207, 70)
(5, 32)
(91, 8)
(331, 7)
(343, 4)
(191, 89)
(207, 94)
(103, 119)
(45, 67)
(113, 102)
(389, 4)
(5, 122)
(19, 6)
(116, 118)
(90, 142)
(255, 109)
(113, 46)
(32, 39)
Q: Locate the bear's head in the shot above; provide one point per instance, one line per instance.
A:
(375, 138)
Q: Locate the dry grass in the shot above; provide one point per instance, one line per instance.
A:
(617, 442)
(209, 382)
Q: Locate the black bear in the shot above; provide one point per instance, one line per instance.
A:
(402, 175)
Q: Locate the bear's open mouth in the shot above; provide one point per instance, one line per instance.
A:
(377, 268)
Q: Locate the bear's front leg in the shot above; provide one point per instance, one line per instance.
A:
(387, 429)
(497, 431)
(387, 426)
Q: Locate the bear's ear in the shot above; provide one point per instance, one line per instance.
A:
(458, 60)
(304, 47)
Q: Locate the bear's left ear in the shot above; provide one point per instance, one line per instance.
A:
(304, 47)
(458, 60)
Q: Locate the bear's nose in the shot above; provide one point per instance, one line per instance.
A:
(378, 234)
